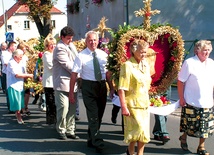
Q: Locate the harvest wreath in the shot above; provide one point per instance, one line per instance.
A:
(167, 49)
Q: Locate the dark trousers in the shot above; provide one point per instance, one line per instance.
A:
(4, 88)
(94, 97)
(50, 106)
(114, 114)
(4, 82)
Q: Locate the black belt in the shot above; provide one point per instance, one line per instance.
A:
(102, 81)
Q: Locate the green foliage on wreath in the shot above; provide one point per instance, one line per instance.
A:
(40, 47)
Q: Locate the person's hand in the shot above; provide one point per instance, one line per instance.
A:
(182, 102)
(111, 93)
(30, 76)
(125, 111)
(71, 98)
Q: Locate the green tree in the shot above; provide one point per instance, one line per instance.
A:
(40, 14)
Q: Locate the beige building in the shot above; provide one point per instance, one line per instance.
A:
(18, 23)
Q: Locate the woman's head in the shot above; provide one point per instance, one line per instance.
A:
(50, 43)
(139, 48)
(203, 49)
(22, 47)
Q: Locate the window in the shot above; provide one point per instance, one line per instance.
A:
(9, 27)
(26, 24)
(53, 23)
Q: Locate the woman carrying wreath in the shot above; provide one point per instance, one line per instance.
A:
(133, 91)
(195, 89)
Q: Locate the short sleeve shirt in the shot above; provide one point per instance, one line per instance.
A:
(135, 79)
(83, 64)
(199, 82)
(14, 68)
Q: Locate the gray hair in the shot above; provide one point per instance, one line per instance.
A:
(17, 52)
(201, 44)
(92, 32)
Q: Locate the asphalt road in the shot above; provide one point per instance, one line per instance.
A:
(37, 138)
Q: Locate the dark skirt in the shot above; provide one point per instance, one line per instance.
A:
(50, 106)
(197, 122)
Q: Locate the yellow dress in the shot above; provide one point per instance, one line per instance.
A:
(135, 80)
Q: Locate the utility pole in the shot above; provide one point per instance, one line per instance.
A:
(5, 20)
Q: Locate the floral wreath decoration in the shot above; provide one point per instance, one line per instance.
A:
(34, 56)
(164, 40)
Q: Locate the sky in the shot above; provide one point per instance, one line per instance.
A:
(61, 5)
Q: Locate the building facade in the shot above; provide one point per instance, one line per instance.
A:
(194, 18)
(18, 23)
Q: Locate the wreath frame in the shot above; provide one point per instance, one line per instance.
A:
(118, 56)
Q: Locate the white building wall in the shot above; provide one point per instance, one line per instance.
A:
(17, 22)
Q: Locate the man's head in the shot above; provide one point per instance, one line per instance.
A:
(17, 55)
(12, 46)
(92, 40)
(67, 34)
(3, 46)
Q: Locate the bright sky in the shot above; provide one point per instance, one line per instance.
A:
(61, 5)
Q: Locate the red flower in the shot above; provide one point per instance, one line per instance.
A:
(147, 14)
(174, 44)
(172, 58)
(167, 35)
(40, 54)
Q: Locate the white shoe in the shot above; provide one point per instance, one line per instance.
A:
(44, 109)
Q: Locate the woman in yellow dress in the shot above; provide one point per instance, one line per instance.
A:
(134, 84)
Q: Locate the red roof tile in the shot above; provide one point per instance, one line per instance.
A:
(16, 8)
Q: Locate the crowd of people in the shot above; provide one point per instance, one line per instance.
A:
(63, 66)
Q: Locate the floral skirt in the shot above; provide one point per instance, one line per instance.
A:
(137, 125)
(197, 122)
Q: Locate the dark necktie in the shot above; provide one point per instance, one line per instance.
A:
(97, 71)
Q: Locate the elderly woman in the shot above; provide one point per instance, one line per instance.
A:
(134, 85)
(23, 47)
(195, 89)
(47, 79)
(15, 83)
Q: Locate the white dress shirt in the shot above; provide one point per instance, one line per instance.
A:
(83, 64)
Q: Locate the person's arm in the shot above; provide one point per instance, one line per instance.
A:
(180, 86)
(72, 83)
(124, 108)
(110, 84)
(24, 75)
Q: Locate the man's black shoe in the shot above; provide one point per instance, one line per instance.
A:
(158, 138)
(99, 148)
(77, 118)
(62, 136)
(114, 121)
(89, 144)
(73, 136)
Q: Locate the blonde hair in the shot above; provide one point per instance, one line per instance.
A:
(201, 44)
(49, 40)
(21, 46)
(134, 46)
